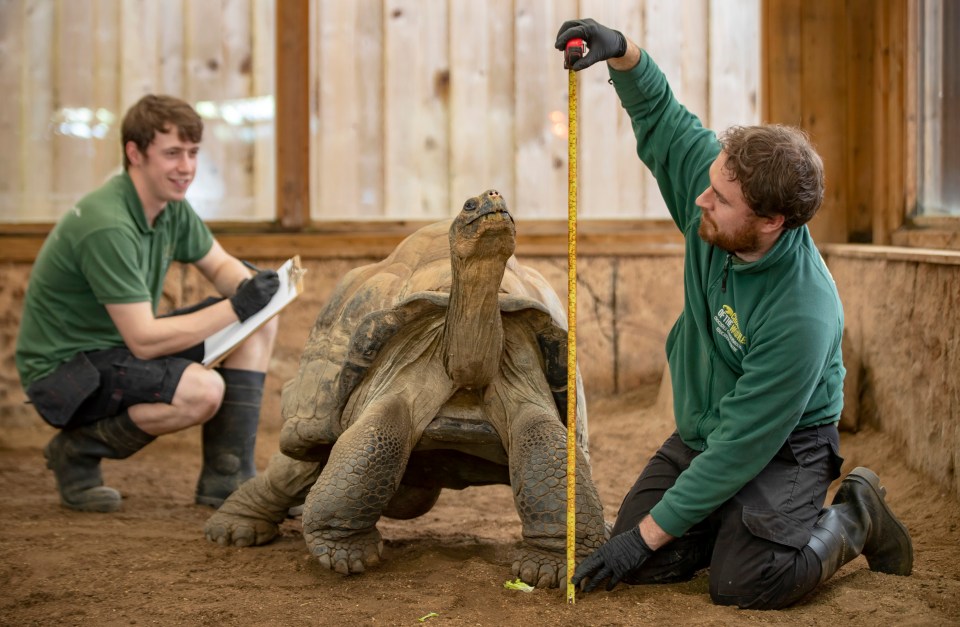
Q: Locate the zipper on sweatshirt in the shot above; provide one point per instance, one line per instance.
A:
(725, 272)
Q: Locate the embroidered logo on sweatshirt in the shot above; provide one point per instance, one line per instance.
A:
(729, 328)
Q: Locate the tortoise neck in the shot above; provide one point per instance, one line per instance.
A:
(472, 340)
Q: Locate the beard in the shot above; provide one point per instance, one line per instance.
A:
(745, 239)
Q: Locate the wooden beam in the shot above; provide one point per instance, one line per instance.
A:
(292, 113)
(350, 240)
(889, 165)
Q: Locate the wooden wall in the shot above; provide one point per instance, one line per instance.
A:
(902, 349)
(413, 105)
(421, 104)
(70, 68)
(840, 70)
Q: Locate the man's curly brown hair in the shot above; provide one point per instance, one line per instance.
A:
(779, 171)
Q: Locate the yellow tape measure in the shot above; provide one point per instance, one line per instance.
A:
(572, 52)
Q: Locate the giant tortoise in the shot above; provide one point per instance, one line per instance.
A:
(442, 366)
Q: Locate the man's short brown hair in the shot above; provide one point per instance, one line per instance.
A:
(779, 171)
(156, 114)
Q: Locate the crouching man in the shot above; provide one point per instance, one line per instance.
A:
(95, 359)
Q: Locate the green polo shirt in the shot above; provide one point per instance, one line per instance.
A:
(101, 252)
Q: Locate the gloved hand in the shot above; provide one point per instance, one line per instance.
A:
(603, 43)
(614, 560)
(254, 293)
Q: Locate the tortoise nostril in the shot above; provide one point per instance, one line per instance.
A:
(493, 193)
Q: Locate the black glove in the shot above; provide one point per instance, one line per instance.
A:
(621, 555)
(254, 293)
(604, 43)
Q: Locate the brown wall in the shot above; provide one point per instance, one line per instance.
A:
(902, 326)
(902, 335)
(625, 306)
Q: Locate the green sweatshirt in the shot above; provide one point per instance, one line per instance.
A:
(755, 354)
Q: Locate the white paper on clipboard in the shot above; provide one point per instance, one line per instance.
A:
(220, 344)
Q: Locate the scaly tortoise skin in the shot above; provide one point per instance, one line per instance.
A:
(444, 365)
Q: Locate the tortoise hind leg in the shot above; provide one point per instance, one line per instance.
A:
(411, 501)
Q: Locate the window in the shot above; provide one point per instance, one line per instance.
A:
(939, 109)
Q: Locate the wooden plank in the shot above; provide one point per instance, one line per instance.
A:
(11, 109)
(369, 133)
(545, 238)
(293, 113)
(782, 62)
(695, 57)
(481, 90)
(734, 72)
(824, 109)
(911, 77)
(170, 33)
(72, 143)
(336, 77)
(950, 89)
(894, 253)
(416, 120)
(236, 129)
(932, 115)
(611, 176)
(889, 125)
(140, 52)
(38, 92)
(348, 143)
(540, 83)
(502, 96)
(107, 159)
(263, 86)
(662, 40)
(862, 145)
(204, 80)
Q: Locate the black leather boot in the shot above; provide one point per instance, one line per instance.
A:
(229, 437)
(74, 457)
(859, 522)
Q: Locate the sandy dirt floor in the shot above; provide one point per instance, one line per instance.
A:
(150, 563)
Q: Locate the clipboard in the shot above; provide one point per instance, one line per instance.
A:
(218, 346)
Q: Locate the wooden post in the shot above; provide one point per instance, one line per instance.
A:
(293, 113)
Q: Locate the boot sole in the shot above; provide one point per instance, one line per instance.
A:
(867, 477)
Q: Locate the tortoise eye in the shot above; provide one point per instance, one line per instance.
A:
(471, 205)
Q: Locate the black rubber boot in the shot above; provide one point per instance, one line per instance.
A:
(229, 437)
(859, 522)
(74, 457)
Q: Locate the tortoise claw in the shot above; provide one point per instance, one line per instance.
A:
(236, 530)
(540, 569)
(347, 556)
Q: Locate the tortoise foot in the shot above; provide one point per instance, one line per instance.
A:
(541, 569)
(231, 529)
(347, 555)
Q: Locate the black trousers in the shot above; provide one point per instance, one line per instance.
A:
(754, 544)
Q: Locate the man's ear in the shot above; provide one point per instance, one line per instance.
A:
(134, 156)
(771, 224)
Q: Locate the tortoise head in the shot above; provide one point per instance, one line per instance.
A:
(483, 228)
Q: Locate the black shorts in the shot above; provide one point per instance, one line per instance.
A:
(99, 384)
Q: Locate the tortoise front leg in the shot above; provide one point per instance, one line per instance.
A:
(521, 407)
(251, 515)
(393, 407)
